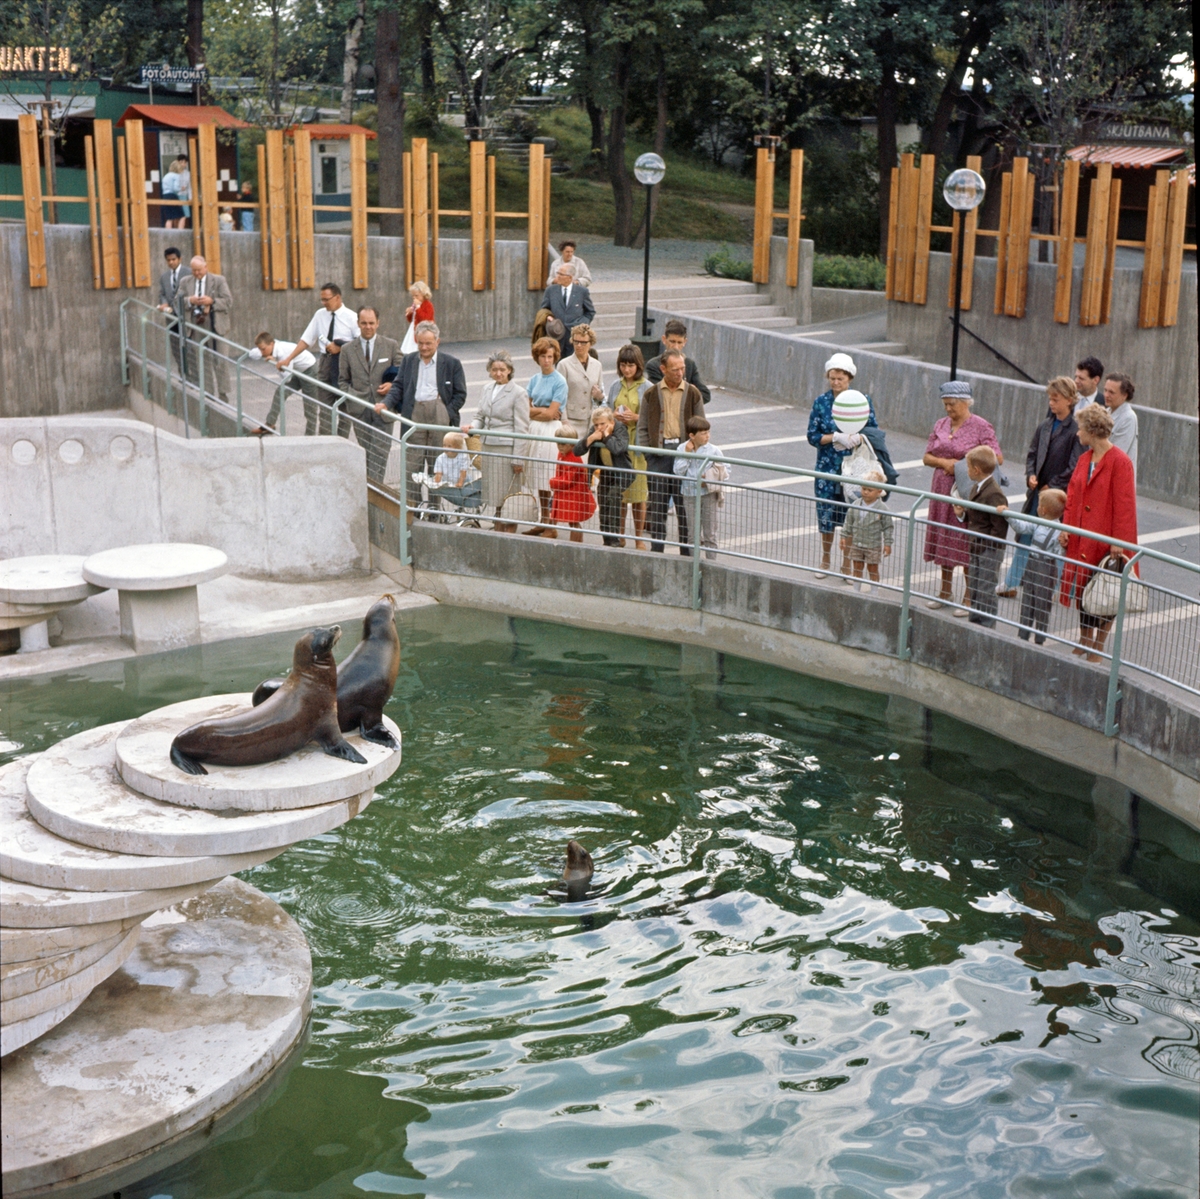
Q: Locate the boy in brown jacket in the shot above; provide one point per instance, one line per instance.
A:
(986, 534)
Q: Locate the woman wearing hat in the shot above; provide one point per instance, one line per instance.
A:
(953, 436)
(832, 446)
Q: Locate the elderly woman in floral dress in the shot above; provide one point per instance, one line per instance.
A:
(953, 436)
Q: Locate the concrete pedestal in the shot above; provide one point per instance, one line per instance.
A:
(153, 621)
(35, 637)
(206, 1011)
(34, 589)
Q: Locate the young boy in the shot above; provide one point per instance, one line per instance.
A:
(1039, 584)
(295, 377)
(455, 475)
(705, 474)
(867, 533)
(986, 533)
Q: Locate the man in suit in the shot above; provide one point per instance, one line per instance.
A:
(430, 389)
(200, 299)
(986, 532)
(662, 424)
(569, 302)
(675, 338)
(168, 285)
(362, 364)
(1053, 452)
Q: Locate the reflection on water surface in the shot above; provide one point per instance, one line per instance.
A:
(835, 946)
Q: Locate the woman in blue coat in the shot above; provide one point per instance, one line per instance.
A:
(831, 506)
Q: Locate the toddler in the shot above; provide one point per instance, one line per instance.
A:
(1040, 581)
(867, 533)
(573, 502)
(454, 473)
(986, 534)
(707, 475)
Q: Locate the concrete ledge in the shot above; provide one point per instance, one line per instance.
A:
(839, 303)
(1029, 695)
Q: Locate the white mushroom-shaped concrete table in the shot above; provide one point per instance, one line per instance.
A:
(156, 585)
(33, 589)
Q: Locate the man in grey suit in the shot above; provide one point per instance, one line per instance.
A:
(201, 298)
(361, 366)
(569, 302)
(168, 284)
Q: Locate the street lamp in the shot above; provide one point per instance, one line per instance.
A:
(649, 170)
(964, 191)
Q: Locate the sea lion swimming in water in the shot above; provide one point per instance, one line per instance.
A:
(303, 709)
(365, 679)
(577, 873)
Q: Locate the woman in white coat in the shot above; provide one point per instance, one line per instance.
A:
(503, 408)
(585, 379)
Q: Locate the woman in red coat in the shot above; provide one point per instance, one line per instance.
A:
(1101, 498)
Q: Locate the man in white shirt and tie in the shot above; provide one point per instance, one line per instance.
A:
(168, 285)
(570, 302)
(1088, 373)
(202, 298)
(332, 326)
(363, 363)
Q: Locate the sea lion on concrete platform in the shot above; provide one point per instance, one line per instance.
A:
(303, 709)
(577, 873)
(365, 679)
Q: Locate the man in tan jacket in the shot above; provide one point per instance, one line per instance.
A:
(662, 424)
(204, 299)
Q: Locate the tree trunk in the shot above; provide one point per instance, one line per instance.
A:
(389, 94)
(428, 74)
(934, 141)
(194, 37)
(622, 186)
(886, 113)
(660, 145)
(354, 32)
(596, 117)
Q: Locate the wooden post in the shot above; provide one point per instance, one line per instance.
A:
(536, 278)
(795, 183)
(110, 252)
(764, 214)
(491, 220)
(197, 195)
(420, 207)
(478, 215)
(1017, 260)
(89, 164)
(302, 142)
(1092, 292)
(135, 150)
(1002, 241)
(923, 221)
(1176, 227)
(48, 159)
(31, 187)
(547, 176)
(123, 201)
(1068, 212)
(289, 177)
(906, 232)
(434, 202)
(890, 288)
(408, 220)
(1152, 262)
(207, 138)
(264, 218)
(277, 184)
(358, 209)
(1110, 250)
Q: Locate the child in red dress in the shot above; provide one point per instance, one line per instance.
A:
(573, 500)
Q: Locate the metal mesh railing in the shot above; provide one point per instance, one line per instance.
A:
(515, 482)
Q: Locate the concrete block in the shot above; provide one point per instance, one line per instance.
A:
(160, 620)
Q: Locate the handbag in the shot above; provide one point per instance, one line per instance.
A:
(1102, 594)
(520, 506)
(409, 344)
(856, 466)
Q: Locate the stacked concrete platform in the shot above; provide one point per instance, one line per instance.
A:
(108, 851)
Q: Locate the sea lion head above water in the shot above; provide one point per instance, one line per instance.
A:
(303, 709)
(577, 873)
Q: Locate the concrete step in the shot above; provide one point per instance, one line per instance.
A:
(681, 289)
(735, 314)
(896, 349)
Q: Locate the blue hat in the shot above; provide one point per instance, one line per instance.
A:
(956, 389)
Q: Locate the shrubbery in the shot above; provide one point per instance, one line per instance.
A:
(723, 264)
(865, 273)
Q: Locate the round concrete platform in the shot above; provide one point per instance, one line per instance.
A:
(205, 1011)
(73, 790)
(53, 579)
(32, 854)
(23, 905)
(22, 978)
(162, 566)
(303, 779)
(36, 944)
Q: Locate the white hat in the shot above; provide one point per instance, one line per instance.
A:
(841, 362)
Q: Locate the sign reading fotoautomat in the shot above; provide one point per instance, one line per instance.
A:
(162, 73)
(37, 58)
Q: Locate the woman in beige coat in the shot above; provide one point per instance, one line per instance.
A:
(585, 379)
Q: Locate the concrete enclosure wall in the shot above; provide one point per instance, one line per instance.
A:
(796, 302)
(1161, 362)
(839, 303)
(60, 351)
(280, 507)
(905, 392)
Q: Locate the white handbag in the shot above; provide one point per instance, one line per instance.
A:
(856, 466)
(520, 506)
(409, 344)
(1102, 595)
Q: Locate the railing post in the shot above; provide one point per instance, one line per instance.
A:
(241, 358)
(696, 545)
(1114, 693)
(405, 556)
(145, 369)
(124, 346)
(202, 415)
(903, 651)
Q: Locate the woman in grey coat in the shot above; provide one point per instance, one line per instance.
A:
(503, 408)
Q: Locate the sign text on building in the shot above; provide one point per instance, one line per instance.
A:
(36, 58)
(162, 73)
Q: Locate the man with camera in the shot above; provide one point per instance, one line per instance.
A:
(332, 326)
(200, 299)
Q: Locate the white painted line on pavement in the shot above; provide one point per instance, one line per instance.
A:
(1168, 534)
(787, 481)
(747, 445)
(748, 411)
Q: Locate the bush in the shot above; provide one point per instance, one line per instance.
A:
(841, 196)
(723, 264)
(864, 273)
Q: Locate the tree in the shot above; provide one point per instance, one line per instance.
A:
(392, 69)
(354, 32)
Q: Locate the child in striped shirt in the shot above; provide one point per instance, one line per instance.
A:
(867, 533)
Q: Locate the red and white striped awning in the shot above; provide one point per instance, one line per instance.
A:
(1126, 156)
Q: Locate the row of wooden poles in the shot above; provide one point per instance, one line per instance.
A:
(910, 226)
(118, 209)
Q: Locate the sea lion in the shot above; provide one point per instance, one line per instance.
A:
(577, 873)
(365, 679)
(303, 709)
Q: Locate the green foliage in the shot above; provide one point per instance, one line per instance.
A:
(864, 273)
(841, 188)
(723, 264)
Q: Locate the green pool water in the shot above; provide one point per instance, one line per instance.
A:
(839, 947)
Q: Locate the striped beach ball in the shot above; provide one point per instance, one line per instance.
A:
(851, 411)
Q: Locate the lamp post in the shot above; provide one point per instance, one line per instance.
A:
(964, 191)
(649, 170)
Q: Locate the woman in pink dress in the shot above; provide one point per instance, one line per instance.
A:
(953, 436)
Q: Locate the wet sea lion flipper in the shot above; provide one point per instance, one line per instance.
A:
(265, 690)
(380, 734)
(343, 749)
(186, 764)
